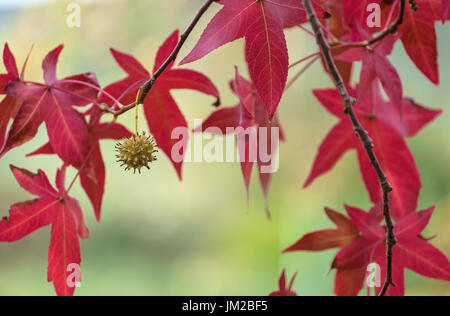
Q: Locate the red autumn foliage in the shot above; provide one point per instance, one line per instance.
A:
(72, 110)
(361, 240)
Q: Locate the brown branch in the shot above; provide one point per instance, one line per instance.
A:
(366, 141)
(147, 86)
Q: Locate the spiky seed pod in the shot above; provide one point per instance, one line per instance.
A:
(136, 152)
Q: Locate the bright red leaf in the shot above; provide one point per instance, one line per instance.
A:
(344, 234)
(375, 64)
(9, 105)
(388, 128)
(161, 110)
(53, 207)
(261, 23)
(53, 103)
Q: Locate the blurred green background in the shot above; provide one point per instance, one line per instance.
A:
(162, 237)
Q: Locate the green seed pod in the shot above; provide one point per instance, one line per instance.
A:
(137, 152)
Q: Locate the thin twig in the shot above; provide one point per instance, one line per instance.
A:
(145, 89)
(366, 141)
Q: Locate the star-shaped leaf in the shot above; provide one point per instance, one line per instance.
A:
(53, 103)
(261, 23)
(52, 207)
(161, 110)
(388, 128)
(367, 245)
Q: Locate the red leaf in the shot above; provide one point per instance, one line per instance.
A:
(330, 238)
(64, 250)
(92, 177)
(387, 128)
(333, 148)
(44, 150)
(67, 132)
(414, 224)
(165, 50)
(375, 64)
(28, 118)
(368, 246)
(36, 184)
(417, 31)
(261, 23)
(283, 288)
(10, 62)
(112, 131)
(92, 173)
(92, 170)
(161, 110)
(55, 208)
(396, 160)
(8, 110)
(419, 38)
(355, 11)
(49, 65)
(53, 103)
(222, 119)
(421, 257)
(27, 217)
(349, 282)
(161, 107)
(11, 68)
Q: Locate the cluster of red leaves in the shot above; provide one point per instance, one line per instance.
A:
(361, 240)
(361, 237)
(74, 135)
